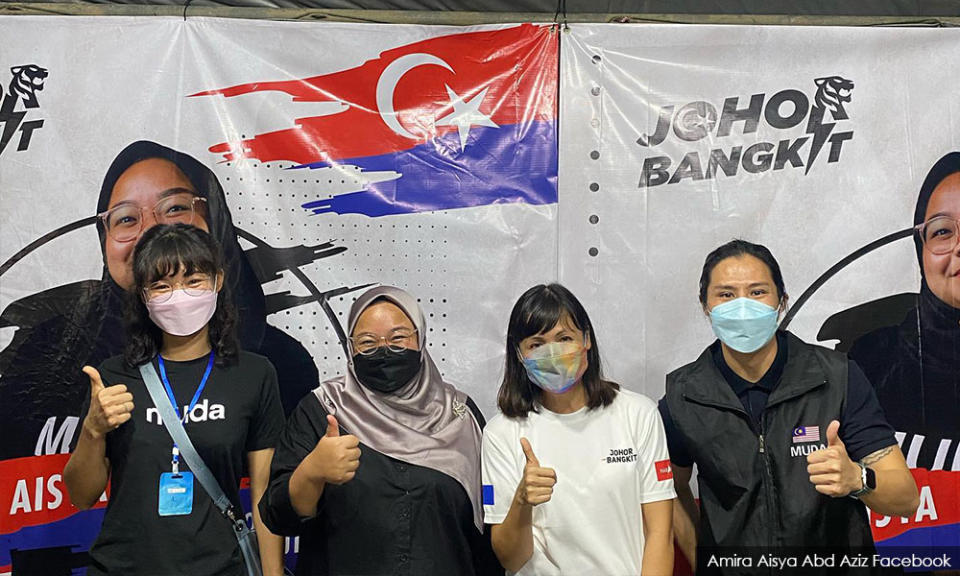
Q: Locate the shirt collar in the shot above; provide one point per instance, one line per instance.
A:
(767, 382)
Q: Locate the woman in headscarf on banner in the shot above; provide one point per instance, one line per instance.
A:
(378, 471)
(64, 328)
(160, 519)
(915, 366)
(575, 468)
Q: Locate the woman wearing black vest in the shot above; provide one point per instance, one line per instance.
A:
(786, 436)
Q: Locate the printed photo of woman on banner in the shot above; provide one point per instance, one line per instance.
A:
(61, 329)
(66, 327)
(458, 150)
(910, 352)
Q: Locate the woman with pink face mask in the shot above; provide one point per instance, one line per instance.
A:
(180, 318)
(576, 474)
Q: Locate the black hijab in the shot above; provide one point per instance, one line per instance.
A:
(65, 327)
(240, 276)
(929, 343)
(938, 317)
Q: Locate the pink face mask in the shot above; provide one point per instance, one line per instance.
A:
(183, 314)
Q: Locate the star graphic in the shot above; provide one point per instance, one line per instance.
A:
(465, 115)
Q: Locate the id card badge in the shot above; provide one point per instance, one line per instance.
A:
(176, 494)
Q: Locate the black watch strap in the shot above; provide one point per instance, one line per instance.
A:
(868, 479)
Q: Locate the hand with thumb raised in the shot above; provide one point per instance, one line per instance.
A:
(333, 427)
(833, 438)
(96, 382)
(536, 484)
(528, 452)
(830, 469)
(110, 406)
(335, 458)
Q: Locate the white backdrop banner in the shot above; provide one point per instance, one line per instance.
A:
(811, 141)
(332, 156)
(336, 156)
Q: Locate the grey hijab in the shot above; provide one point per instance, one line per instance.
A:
(426, 422)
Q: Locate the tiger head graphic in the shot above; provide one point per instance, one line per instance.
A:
(832, 93)
(27, 81)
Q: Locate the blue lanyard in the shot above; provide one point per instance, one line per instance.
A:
(173, 399)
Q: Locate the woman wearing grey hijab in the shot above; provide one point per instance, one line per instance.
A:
(379, 470)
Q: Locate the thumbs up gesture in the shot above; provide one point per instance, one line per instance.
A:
(335, 458)
(109, 406)
(831, 470)
(536, 485)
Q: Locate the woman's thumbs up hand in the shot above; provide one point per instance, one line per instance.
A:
(109, 406)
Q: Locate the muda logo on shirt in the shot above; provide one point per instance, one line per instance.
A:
(202, 412)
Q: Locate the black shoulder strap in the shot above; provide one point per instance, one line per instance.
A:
(476, 413)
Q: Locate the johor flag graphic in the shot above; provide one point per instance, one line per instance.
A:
(456, 121)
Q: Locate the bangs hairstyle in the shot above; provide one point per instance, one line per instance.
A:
(163, 251)
(539, 310)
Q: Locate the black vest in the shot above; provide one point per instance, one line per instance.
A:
(754, 486)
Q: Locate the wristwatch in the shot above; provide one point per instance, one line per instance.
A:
(868, 479)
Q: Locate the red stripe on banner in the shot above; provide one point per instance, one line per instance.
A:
(513, 70)
(939, 505)
(32, 492)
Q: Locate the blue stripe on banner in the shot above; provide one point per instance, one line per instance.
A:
(942, 535)
(924, 548)
(510, 164)
(75, 534)
(488, 494)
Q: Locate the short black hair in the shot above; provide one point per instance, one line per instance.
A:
(736, 248)
(161, 251)
(538, 310)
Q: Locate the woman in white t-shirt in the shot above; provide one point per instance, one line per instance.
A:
(575, 470)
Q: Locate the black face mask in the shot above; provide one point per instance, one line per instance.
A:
(386, 371)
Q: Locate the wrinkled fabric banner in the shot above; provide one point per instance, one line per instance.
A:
(340, 157)
(812, 141)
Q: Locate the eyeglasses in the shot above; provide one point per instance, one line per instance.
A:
(366, 343)
(195, 285)
(939, 234)
(125, 222)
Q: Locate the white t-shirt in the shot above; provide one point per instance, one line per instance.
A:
(609, 461)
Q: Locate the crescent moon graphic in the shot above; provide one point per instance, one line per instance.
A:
(388, 83)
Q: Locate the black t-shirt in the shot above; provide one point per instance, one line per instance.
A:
(239, 412)
(62, 329)
(863, 427)
(391, 518)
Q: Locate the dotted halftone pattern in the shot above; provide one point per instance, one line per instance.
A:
(410, 251)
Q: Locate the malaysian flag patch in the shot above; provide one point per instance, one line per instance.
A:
(806, 434)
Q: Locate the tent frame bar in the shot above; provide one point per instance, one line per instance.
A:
(454, 18)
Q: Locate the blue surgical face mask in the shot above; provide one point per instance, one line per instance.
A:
(744, 324)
